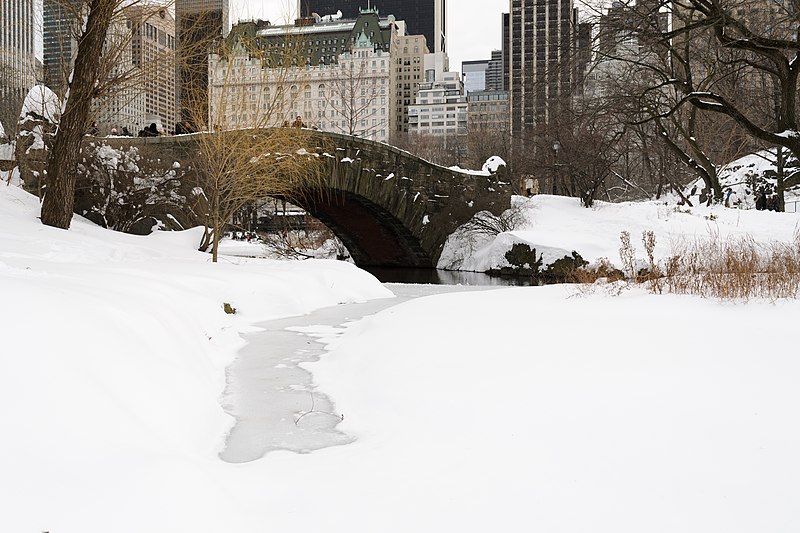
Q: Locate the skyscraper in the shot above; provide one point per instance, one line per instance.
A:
(60, 45)
(425, 17)
(143, 40)
(494, 72)
(17, 59)
(153, 49)
(541, 77)
(198, 24)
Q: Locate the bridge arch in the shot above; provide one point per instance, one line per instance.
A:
(389, 207)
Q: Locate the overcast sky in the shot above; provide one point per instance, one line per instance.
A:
(473, 26)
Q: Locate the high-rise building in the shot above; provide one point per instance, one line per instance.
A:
(506, 50)
(17, 58)
(410, 52)
(495, 81)
(153, 49)
(541, 77)
(144, 46)
(474, 75)
(118, 106)
(60, 45)
(425, 17)
(198, 24)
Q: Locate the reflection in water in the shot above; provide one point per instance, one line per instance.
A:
(444, 277)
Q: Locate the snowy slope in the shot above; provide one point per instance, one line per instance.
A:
(113, 356)
(749, 173)
(526, 409)
(557, 225)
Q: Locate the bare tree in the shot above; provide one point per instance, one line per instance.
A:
(94, 74)
(718, 59)
(353, 95)
(239, 161)
(438, 149)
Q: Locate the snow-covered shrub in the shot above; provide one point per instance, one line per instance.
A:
(117, 190)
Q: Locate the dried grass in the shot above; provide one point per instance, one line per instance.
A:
(736, 268)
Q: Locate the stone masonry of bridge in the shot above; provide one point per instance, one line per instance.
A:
(389, 207)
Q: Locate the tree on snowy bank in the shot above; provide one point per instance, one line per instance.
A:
(240, 160)
(95, 74)
(717, 67)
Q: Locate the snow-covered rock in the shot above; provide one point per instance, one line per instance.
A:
(493, 163)
(41, 103)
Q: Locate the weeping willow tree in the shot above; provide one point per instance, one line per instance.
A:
(244, 154)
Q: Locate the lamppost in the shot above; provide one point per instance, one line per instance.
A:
(556, 149)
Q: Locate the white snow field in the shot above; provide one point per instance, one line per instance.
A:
(557, 225)
(523, 409)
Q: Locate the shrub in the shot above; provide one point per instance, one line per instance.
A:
(523, 257)
(565, 269)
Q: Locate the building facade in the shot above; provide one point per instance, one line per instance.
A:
(144, 44)
(59, 44)
(153, 51)
(542, 39)
(488, 111)
(424, 17)
(121, 105)
(199, 23)
(409, 53)
(474, 74)
(506, 48)
(440, 109)
(494, 72)
(336, 76)
(17, 57)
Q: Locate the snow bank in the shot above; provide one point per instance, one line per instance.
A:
(746, 175)
(557, 225)
(470, 172)
(519, 409)
(114, 353)
(489, 167)
(493, 163)
(538, 410)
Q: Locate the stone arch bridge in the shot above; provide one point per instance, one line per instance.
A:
(389, 207)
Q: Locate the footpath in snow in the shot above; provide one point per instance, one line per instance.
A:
(541, 408)
(273, 397)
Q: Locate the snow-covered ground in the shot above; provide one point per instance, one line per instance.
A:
(540, 409)
(556, 225)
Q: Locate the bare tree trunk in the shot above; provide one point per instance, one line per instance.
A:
(59, 197)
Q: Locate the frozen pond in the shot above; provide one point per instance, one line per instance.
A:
(274, 401)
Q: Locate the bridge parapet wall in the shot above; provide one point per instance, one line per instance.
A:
(390, 207)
